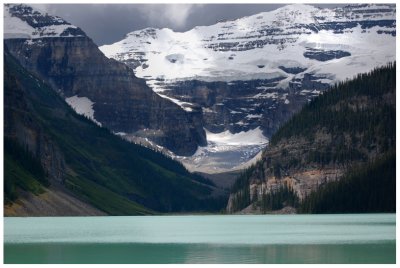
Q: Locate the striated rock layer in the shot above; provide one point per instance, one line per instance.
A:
(74, 66)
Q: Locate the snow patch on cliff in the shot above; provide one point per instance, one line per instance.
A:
(83, 106)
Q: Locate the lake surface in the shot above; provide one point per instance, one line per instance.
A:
(349, 238)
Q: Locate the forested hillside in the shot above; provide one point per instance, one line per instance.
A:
(323, 149)
(48, 144)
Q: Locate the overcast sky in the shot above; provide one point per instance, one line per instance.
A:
(108, 23)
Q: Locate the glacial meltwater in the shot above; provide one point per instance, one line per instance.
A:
(344, 238)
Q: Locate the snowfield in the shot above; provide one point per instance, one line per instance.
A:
(83, 106)
(194, 54)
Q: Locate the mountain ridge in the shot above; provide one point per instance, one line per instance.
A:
(259, 70)
(75, 68)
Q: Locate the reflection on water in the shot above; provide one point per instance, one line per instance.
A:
(198, 253)
(350, 238)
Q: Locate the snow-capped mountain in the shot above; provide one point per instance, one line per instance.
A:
(255, 72)
(255, 47)
(24, 22)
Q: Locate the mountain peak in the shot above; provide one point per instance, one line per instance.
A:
(298, 7)
(33, 17)
(23, 21)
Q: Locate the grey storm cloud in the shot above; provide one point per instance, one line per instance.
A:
(108, 23)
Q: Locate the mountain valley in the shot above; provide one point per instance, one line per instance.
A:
(227, 115)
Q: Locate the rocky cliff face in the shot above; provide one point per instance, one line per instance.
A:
(281, 167)
(243, 105)
(73, 65)
(20, 125)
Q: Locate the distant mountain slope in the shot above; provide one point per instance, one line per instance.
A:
(105, 90)
(85, 161)
(255, 72)
(352, 125)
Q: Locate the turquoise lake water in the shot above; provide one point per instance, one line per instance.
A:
(347, 238)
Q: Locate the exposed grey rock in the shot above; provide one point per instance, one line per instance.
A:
(56, 201)
(325, 55)
(122, 102)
